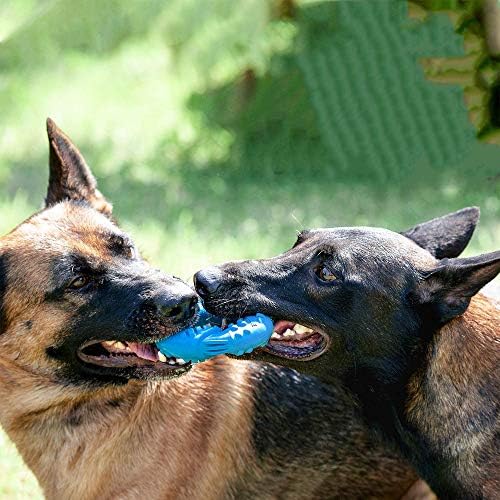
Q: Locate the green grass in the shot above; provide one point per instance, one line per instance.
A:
(16, 481)
(218, 141)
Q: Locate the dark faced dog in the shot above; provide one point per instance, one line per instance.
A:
(402, 331)
(94, 411)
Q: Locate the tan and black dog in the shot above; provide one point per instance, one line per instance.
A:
(401, 329)
(95, 412)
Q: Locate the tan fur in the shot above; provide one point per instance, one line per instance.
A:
(176, 439)
(185, 438)
(463, 365)
(181, 438)
(154, 440)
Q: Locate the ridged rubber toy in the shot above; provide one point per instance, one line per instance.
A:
(207, 339)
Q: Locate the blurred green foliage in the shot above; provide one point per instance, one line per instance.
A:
(477, 71)
(218, 129)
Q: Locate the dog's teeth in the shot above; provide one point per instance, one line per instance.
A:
(162, 357)
(171, 362)
(276, 336)
(109, 342)
(289, 333)
(180, 361)
(302, 329)
(120, 345)
(224, 323)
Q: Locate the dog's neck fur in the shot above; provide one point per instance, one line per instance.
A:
(75, 445)
(459, 389)
(228, 429)
(446, 415)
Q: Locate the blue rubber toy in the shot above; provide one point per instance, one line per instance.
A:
(207, 338)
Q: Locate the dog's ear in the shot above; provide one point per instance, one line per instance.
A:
(446, 236)
(70, 177)
(449, 288)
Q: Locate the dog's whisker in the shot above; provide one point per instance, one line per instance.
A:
(221, 302)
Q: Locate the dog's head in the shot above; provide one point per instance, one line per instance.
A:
(78, 304)
(354, 298)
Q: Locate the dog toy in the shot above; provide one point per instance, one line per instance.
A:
(208, 339)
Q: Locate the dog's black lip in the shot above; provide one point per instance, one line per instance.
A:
(322, 350)
(144, 372)
(143, 365)
(150, 339)
(316, 354)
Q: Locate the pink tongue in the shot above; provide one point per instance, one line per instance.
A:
(144, 351)
(282, 326)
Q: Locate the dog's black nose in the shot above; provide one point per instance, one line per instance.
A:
(178, 308)
(207, 281)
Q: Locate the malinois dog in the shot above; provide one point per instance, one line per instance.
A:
(404, 331)
(96, 412)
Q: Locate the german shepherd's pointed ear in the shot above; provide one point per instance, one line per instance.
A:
(449, 288)
(70, 177)
(446, 236)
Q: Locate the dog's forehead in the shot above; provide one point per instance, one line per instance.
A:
(356, 234)
(371, 241)
(65, 227)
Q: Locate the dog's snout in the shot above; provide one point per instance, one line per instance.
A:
(207, 281)
(178, 308)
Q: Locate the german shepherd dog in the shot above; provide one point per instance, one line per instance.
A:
(404, 332)
(94, 410)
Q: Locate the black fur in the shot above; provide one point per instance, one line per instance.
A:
(387, 299)
(310, 400)
(298, 423)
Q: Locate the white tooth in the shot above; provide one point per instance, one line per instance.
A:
(119, 345)
(289, 333)
(171, 362)
(224, 323)
(275, 335)
(302, 329)
(109, 342)
(162, 357)
(180, 361)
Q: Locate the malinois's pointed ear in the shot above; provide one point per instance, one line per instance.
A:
(70, 177)
(446, 236)
(450, 286)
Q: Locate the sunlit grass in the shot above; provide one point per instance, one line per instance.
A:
(16, 481)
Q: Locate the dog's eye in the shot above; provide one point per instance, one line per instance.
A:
(325, 274)
(79, 282)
